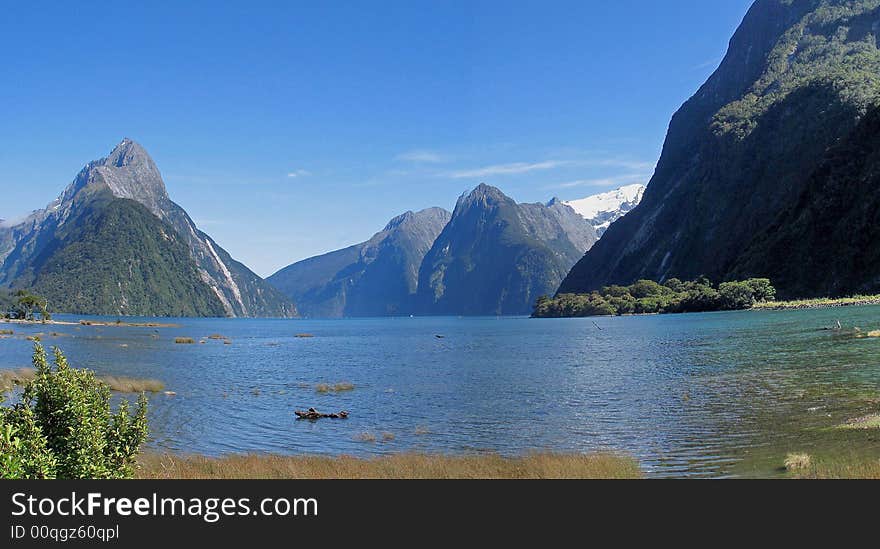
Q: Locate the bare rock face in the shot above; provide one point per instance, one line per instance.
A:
(130, 173)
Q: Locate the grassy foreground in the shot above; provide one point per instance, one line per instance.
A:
(402, 466)
(837, 469)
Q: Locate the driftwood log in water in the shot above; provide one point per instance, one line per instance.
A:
(313, 414)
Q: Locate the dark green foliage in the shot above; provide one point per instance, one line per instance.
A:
(7, 303)
(24, 304)
(736, 295)
(647, 297)
(827, 242)
(116, 258)
(746, 178)
(762, 289)
(64, 427)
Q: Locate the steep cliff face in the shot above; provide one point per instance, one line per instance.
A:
(376, 278)
(798, 77)
(830, 235)
(496, 257)
(129, 173)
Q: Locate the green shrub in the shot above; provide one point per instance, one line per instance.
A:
(736, 296)
(64, 427)
(646, 288)
(762, 289)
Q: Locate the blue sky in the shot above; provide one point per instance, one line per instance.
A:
(288, 129)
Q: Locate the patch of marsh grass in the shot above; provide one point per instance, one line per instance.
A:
(399, 466)
(122, 384)
(184, 340)
(324, 388)
(119, 384)
(797, 462)
(11, 378)
(863, 423)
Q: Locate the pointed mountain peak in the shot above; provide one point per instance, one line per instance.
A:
(128, 172)
(429, 215)
(484, 195)
(128, 153)
(398, 221)
(484, 190)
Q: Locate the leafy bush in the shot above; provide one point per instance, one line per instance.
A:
(736, 295)
(64, 427)
(646, 288)
(762, 289)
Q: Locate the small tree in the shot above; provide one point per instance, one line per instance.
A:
(64, 427)
(762, 288)
(645, 288)
(736, 295)
(26, 303)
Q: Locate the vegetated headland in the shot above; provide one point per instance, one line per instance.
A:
(649, 297)
(674, 296)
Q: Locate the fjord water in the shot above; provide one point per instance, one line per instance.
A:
(703, 394)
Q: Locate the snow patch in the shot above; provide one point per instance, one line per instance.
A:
(601, 210)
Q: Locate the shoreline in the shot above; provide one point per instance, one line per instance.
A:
(99, 323)
(794, 305)
(805, 304)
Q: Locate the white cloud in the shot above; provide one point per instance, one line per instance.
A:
(613, 181)
(9, 223)
(422, 157)
(509, 169)
(299, 173)
(711, 63)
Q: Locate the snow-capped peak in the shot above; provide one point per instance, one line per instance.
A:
(601, 210)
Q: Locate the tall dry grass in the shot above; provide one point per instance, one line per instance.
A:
(11, 378)
(401, 466)
(325, 388)
(120, 384)
(841, 469)
(132, 385)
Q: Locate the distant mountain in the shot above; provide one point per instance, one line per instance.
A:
(376, 278)
(601, 210)
(769, 169)
(496, 257)
(115, 243)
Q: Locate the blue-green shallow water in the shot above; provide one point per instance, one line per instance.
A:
(704, 395)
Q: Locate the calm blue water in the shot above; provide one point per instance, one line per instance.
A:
(708, 394)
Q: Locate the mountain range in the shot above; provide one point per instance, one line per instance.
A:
(378, 277)
(769, 170)
(114, 243)
(491, 256)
